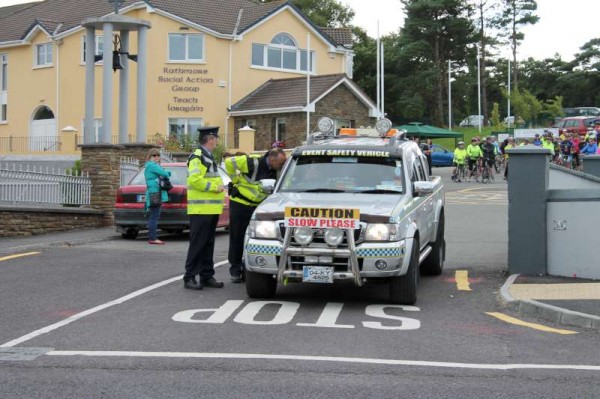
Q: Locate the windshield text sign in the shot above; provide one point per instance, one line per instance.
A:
(323, 218)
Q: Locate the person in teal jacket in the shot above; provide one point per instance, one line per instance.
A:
(152, 172)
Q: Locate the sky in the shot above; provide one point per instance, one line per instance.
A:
(563, 28)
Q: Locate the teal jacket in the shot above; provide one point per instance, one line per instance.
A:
(151, 173)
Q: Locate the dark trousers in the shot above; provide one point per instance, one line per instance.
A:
(202, 246)
(239, 218)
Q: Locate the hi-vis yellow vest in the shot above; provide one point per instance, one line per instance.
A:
(242, 170)
(203, 184)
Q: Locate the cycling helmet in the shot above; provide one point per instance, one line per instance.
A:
(461, 143)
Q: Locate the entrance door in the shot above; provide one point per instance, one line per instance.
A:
(42, 135)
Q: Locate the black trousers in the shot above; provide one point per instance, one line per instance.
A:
(239, 219)
(202, 246)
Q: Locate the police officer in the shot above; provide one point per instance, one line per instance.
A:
(205, 196)
(245, 194)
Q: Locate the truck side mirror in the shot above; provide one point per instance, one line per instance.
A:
(422, 188)
(267, 185)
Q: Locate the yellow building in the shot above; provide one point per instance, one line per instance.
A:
(206, 58)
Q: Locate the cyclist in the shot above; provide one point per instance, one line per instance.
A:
(473, 155)
(489, 155)
(548, 143)
(566, 150)
(590, 148)
(460, 155)
(537, 141)
(511, 144)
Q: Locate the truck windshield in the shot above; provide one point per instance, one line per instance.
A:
(369, 175)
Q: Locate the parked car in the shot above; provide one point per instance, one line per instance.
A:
(472, 120)
(440, 156)
(582, 111)
(129, 213)
(576, 124)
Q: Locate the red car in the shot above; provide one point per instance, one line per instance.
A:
(129, 206)
(576, 124)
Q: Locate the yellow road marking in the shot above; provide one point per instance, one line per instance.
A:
(9, 257)
(535, 326)
(462, 280)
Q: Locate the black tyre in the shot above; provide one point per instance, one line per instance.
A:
(259, 285)
(403, 289)
(130, 234)
(433, 265)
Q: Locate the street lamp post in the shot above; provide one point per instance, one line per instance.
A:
(449, 96)
(480, 122)
(508, 107)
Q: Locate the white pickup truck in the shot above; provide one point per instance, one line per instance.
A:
(349, 207)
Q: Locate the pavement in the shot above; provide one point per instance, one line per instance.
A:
(563, 300)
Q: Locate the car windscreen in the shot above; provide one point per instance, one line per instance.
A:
(178, 176)
(369, 175)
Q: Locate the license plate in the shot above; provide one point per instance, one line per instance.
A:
(317, 274)
(141, 198)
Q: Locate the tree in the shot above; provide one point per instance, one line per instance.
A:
(434, 32)
(514, 16)
(589, 58)
(326, 13)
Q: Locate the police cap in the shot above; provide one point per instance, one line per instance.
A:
(209, 130)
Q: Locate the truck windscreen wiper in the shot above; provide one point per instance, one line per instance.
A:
(324, 190)
(380, 191)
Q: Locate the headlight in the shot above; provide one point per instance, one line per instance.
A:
(380, 232)
(303, 235)
(334, 237)
(262, 229)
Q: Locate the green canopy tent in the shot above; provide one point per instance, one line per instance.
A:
(417, 129)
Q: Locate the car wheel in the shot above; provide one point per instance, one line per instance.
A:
(130, 234)
(403, 289)
(433, 265)
(260, 285)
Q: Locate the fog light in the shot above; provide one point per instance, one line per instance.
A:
(334, 237)
(260, 261)
(381, 264)
(303, 235)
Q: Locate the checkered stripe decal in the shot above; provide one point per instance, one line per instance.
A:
(263, 249)
(379, 252)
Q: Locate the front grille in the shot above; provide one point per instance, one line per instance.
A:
(339, 264)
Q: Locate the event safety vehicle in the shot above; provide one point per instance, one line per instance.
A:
(359, 207)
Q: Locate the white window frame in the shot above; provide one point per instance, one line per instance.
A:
(3, 87)
(187, 59)
(3, 72)
(282, 48)
(278, 121)
(45, 63)
(98, 51)
(186, 125)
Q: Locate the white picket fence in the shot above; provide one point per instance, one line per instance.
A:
(29, 184)
(129, 167)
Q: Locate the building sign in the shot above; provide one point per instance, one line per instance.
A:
(185, 84)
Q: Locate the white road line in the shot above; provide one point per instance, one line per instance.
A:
(96, 309)
(393, 362)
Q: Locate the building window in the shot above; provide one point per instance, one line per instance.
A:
(282, 54)
(3, 111)
(3, 72)
(99, 48)
(280, 131)
(186, 47)
(43, 54)
(184, 129)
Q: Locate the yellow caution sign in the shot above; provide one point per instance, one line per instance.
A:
(323, 218)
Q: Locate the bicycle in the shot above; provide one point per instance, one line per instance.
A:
(460, 174)
(499, 163)
(566, 161)
(486, 173)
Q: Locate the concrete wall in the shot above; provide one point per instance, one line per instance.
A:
(561, 178)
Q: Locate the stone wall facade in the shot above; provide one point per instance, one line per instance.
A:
(341, 103)
(26, 221)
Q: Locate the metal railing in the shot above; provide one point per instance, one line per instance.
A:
(129, 168)
(20, 184)
(30, 144)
